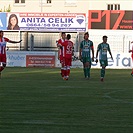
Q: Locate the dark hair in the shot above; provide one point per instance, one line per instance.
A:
(63, 33)
(68, 36)
(16, 27)
(1, 31)
(105, 37)
(86, 33)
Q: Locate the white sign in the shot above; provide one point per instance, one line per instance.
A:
(51, 21)
(18, 58)
(121, 61)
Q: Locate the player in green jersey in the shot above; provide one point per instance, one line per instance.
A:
(86, 46)
(102, 49)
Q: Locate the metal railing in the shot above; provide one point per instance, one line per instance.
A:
(38, 41)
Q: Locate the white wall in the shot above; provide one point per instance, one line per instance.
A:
(59, 5)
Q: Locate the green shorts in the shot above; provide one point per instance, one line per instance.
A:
(86, 59)
(104, 63)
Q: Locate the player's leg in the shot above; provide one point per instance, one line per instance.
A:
(1, 67)
(65, 69)
(62, 71)
(2, 63)
(84, 69)
(83, 60)
(88, 66)
(65, 75)
(62, 66)
(132, 66)
(87, 69)
(102, 73)
(68, 71)
(103, 65)
(68, 64)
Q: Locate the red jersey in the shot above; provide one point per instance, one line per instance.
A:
(3, 42)
(67, 49)
(60, 42)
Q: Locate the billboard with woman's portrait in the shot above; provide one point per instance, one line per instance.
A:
(46, 22)
(13, 21)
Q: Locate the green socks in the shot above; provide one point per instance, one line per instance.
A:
(87, 72)
(102, 73)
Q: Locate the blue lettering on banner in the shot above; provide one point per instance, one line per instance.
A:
(50, 24)
(124, 61)
(33, 20)
(10, 63)
(11, 57)
(56, 20)
(60, 20)
(50, 20)
(110, 62)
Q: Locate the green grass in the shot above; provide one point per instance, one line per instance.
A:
(37, 100)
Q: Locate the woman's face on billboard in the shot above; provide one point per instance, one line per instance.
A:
(13, 21)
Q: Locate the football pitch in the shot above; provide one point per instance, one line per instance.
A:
(38, 100)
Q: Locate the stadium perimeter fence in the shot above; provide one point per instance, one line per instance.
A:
(38, 41)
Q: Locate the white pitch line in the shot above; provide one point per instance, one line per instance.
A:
(107, 95)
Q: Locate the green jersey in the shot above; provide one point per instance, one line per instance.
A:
(86, 48)
(103, 48)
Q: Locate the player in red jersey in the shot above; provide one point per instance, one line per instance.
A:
(132, 58)
(67, 47)
(3, 41)
(60, 52)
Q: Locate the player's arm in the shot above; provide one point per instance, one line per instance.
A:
(130, 51)
(58, 53)
(10, 41)
(98, 48)
(73, 51)
(97, 56)
(80, 51)
(110, 52)
(92, 48)
(111, 55)
(58, 43)
(72, 48)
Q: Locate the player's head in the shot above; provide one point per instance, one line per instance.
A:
(86, 36)
(68, 36)
(63, 35)
(105, 39)
(1, 33)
